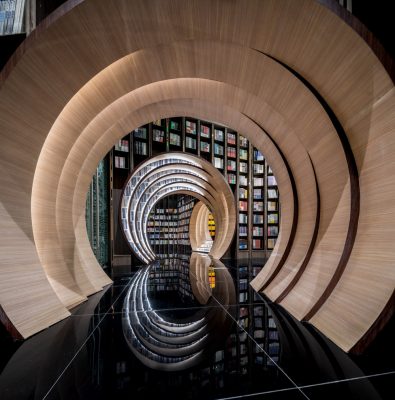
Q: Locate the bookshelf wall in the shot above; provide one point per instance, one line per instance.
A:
(244, 168)
(168, 226)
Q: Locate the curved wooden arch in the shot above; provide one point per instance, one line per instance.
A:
(75, 65)
(179, 169)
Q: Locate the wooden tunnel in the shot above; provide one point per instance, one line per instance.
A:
(293, 77)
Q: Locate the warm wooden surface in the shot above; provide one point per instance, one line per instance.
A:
(97, 72)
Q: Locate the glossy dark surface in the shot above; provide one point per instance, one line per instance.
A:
(213, 338)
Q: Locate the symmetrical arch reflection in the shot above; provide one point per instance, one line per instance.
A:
(172, 346)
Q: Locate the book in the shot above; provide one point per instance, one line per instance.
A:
(175, 139)
(258, 169)
(243, 167)
(272, 218)
(218, 149)
(190, 127)
(190, 143)
(158, 135)
(175, 125)
(243, 193)
(231, 165)
(243, 154)
(218, 135)
(140, 133)
(243, 181)
(232, 179)
(258, 206)
(205, 146)
(231, 138)
(122, 145)
(140, 148)
(258, 181)
(218, 163)
(205, 131)
(231, 152)
(243, 141)
(258, 156)
(271, 180)
(243, 219)
(243, 205)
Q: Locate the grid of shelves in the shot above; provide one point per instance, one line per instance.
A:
(191, 129)
(248, 175)
(163, 227)
(121, 154)
(272, 209)
(140, 138)
(175, 134)
(243, 161)
(185, 206)
(258, 199)
(256, 319)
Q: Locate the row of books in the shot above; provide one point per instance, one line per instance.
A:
(158, 135)
(175, 140)
(120, 162)
(243, 193)
(257, 231)
(243, 167)
(205, 131)
(218, 163)
(258, 169)
(205, 146)
(231, 152)
(243, 141)
(218, 149)
(190, 143)
(140, 148)
(122, 145)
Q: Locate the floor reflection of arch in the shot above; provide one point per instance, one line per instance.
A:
(173, 346)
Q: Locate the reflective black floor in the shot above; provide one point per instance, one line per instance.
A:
(189, 329)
